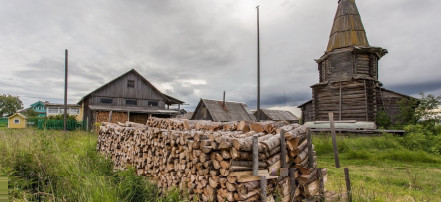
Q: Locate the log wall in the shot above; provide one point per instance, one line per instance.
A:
(212, 160)
(350, 100)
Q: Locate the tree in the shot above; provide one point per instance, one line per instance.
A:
(423, 112)
(426, 109)
(9, 104)
(30, 113)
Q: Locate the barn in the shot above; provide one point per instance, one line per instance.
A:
(222, 111)
(348, 75)
(275, 115)
(129, 97)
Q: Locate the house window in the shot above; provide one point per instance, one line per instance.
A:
(74, 111)
(153, 103)
(131, 102)
(53, 110)
(106, 100)
(16, 121)
(130, 83)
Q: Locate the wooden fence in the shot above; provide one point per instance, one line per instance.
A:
(3, 122)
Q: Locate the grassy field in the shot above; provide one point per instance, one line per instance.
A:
(48, 165)
(381, 169)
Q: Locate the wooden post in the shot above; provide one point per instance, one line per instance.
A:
(310, 154)
(292, 184)
(263, 188)
(339, 114)
(255, 155)
(334, 140)
(282, 149)
(348, 184)
(321, 185)
(128, 116)
(110, 117)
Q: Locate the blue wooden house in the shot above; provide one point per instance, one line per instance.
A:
(40, 108)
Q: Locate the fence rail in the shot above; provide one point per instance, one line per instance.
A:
(59, 124)
(3, 122)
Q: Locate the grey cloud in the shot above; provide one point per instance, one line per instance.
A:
(170, 41)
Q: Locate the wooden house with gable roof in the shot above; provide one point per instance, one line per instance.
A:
(348, 75)
(222, 111)
(129, 97)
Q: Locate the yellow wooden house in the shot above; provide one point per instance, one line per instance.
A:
(17, 120)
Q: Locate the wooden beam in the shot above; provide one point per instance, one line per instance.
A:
(339, 114)
(366, 101)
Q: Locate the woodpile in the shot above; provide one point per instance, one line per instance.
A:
(213, 161)
(103, 116)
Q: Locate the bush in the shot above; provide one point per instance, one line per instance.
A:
(383, 120)
(422, 137)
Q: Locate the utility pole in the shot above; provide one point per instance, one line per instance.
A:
(258, 65)
(65, 91)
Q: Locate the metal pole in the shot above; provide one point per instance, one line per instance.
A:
(258, 64)
(65, 91)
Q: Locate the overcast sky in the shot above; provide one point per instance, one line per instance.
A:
(192, 49)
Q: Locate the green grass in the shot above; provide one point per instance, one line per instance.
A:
(50, 165)
(381, 169)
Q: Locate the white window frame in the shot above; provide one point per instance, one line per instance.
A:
(74, 111)
(53, 108)
(16, 121)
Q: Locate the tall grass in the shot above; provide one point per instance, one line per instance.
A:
(50, 165)
(382, 168)
(377, 151)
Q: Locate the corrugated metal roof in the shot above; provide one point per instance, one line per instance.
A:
(61, 105)
(233, 111)
(132, 109)
(347, 29)
(280, 115)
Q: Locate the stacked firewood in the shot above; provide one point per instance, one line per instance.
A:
(103, 116)
(212, 161)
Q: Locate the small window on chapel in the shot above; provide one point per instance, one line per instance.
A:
(130, 83)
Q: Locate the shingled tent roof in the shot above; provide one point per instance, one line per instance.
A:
(233, 111)
(347, 29)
